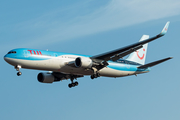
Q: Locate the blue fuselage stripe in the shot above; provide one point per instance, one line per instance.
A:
(39, 55)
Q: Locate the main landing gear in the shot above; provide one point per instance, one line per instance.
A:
(17, 67)
(96, 74)
(73, 84)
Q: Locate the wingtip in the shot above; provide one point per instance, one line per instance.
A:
(164, 31)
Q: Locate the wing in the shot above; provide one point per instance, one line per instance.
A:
(119, 53)
(154, 63)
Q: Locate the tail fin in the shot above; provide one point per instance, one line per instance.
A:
(139, 56)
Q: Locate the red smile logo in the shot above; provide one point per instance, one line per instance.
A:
(139, 56)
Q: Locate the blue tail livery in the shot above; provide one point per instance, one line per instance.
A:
(64, 66)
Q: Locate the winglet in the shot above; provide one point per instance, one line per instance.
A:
(164, 31)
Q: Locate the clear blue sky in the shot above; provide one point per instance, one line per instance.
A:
(90, 27)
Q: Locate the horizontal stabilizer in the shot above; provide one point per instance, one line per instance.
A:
(154, 63)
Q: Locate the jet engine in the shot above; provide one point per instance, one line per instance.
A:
(83, 62)
(45, 78)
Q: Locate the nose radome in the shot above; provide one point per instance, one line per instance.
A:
(8, 60)
(5, 58)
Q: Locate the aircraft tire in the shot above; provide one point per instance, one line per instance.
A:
(76, 83)
(19, 73)
(70, 86)
(92, 76)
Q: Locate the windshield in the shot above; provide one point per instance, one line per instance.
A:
(11, 52)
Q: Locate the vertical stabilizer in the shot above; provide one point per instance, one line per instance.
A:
(139, 56)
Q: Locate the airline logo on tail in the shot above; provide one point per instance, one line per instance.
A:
(142, 55)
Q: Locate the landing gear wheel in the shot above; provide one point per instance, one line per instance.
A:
(95, 75)
(76, 83)
(70, 86)
(19, 73)
(92, 76)
(73, 84)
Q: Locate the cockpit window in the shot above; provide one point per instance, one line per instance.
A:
(11, 52)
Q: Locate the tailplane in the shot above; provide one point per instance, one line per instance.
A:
(155, 63)
(139, 56)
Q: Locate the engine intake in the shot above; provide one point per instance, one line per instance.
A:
(45, 78)
(83, 62)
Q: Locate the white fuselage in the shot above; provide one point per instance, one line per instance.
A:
(59, 63)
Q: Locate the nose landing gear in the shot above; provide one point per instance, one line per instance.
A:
(17, 67)
(19, 73)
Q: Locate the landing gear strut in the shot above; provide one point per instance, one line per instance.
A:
(96, 74)
(73, 84)
(17, 67)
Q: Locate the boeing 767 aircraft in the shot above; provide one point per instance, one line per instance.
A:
(64, 66)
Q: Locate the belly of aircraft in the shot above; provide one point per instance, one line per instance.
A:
(60, 66)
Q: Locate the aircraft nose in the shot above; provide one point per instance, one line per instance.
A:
(5, 58)
(8, 59)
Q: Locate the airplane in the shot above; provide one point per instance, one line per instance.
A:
(64, 66)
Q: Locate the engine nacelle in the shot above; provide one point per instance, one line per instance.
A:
(83, 62)
(45, 78)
